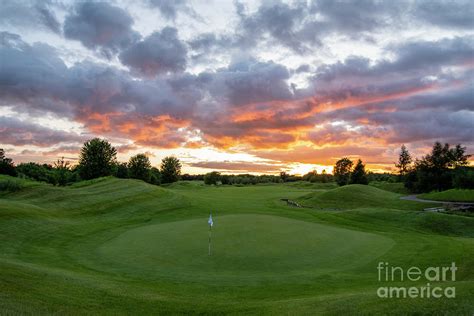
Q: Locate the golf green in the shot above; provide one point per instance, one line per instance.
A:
(253, 246)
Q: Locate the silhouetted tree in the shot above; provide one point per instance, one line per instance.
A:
(122, 170)
(324, 176)
(38, 172)
(437, 170)
(459, 157)
(358, 175)
(139, 167)
(155, 176)
(404, 161)
(311, 176)
(63, 171)
(97, 159)
(212, 177)
(342, 171)
(6, 165)
(170, 169)
(284, 176)
(463, 178)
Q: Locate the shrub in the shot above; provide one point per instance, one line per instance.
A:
(212, 177)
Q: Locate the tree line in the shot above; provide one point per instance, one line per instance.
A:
(445, 167)
(97, 158)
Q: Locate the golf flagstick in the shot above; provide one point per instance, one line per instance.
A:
(210, 222)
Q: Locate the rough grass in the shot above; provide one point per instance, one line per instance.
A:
(115, 246)
(453, 195)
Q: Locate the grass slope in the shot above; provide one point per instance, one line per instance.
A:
(356, 196)
(453, 195)
(396, 187)
(113, 246)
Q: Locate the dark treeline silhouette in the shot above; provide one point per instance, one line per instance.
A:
(445, 167)
(345, 174)
(97, 158)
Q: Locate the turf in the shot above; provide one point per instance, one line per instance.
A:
(396, 187)
(112, 246)
(356, 196)
(453, 195)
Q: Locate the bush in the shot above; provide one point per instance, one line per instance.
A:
(463, 178)
(37, 172)
(212, 178)
(9, 186)
(121, 170)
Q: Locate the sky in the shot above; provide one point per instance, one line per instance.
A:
(237, 86)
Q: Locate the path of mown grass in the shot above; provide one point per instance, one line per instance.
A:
(106, 247)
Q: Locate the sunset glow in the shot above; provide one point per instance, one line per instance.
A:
(237, 87)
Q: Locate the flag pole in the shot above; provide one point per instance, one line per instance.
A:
(210, 233)
(210, 223)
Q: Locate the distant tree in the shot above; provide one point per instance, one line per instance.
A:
(225, 179)
(6, 165)
(438, 169)
(284, 176)
(139, 167)
(170, 169)
(404, 161)
(97, 159)
(155, 176)
(458, 156)
(63, 171)
(212, 177)
(122, 170)
(311, 176)
(463, 178)
(38, 172)
(342, 171)
(358, 175)
(324, 176)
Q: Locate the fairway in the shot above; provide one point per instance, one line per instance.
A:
(113, 246)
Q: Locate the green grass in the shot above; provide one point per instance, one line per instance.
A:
(356, 196)
(453, 195)
(396, 187)
(113, 246)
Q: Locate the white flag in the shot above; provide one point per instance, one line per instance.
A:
(210, 222)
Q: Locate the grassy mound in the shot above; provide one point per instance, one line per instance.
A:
(453, 195)
(396, 187)
(310, 185)
(356, 196)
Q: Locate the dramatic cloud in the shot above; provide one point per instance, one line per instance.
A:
(452, 14)
(100, 25)
(300, 25)
(30, 14)
(17, 132)
(290, 82)
(33, 76)
(160, 52)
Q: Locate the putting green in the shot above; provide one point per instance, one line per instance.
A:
(244, 247)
